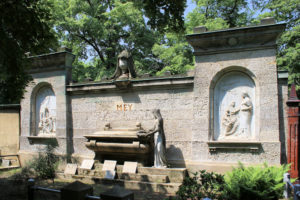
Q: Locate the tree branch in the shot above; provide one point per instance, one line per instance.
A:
(93, 45)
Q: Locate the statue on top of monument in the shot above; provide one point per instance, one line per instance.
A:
(125, 66)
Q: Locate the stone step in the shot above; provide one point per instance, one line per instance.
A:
(126, 176)
(176, 175)
(9, 161)
(165, 188)
(144, 178)
(8, 168)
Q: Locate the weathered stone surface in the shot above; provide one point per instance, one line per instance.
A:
(87, 164)
(109, 165)
(6, 163)
(117, 193)
(76, 191)
(71, 169)
(130, 167)
(186, 103)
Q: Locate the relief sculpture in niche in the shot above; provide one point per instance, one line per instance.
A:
(234, 107)
(237, 121)
(229, 121)
(45, 112)
(47, 122)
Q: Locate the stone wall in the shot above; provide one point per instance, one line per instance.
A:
(250, 51)
(52, 72)
(9, 129)
(187, 103)
(90, 112)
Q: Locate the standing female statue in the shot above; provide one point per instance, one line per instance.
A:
(160, 160)
(245, 115)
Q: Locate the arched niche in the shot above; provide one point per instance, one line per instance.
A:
(43, 110)
(234, 107)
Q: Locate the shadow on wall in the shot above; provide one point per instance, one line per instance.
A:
(282, 127)
(69, 136)
(175, 157)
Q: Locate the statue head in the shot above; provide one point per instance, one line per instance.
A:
(125, 66)
(123, 58)
(245, 95)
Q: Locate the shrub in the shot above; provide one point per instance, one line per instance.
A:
(203, 184)
(46, 163)
(257, 182)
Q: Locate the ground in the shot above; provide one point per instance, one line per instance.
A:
(13, 187)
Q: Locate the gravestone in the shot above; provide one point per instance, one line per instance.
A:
(6, 163)
(109, 174)
(70, 169)
(109, 165)
(129, 167)
(87, 164)
(109, 168)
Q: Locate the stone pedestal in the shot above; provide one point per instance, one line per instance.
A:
(76, 191)
(293, 133)
(117, 193)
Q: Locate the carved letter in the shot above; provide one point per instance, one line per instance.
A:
(119, 107)
(125, 107)
(130, 106)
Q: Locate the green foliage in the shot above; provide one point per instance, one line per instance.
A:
(46, 163)
(247, 183)
(288, 56)
(203, 184)
(100, 30)
(257, 182)
(175, 54)
(24, 28)
(228, 13)
(164, 15)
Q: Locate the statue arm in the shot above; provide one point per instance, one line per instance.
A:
(246, 106)
(148, 132)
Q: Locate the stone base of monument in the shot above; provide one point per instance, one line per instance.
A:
(9, 162)
(147, 179)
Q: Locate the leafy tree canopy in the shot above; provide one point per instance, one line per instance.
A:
(152, 30)
(24, 28)
(100, 30)
(220, 14)
(164, 15)
(288, 57)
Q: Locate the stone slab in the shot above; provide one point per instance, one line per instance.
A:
(6, 163)
(109, 165)
(70, 169)
(144, 178)
(130, 167)
(110, 174)
(87, 164)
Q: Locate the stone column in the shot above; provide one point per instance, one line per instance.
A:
(293, 104)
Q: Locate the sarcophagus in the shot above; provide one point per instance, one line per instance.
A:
(121, 144)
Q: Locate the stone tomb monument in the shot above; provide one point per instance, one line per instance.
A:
(230, 109)
(121, 144)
